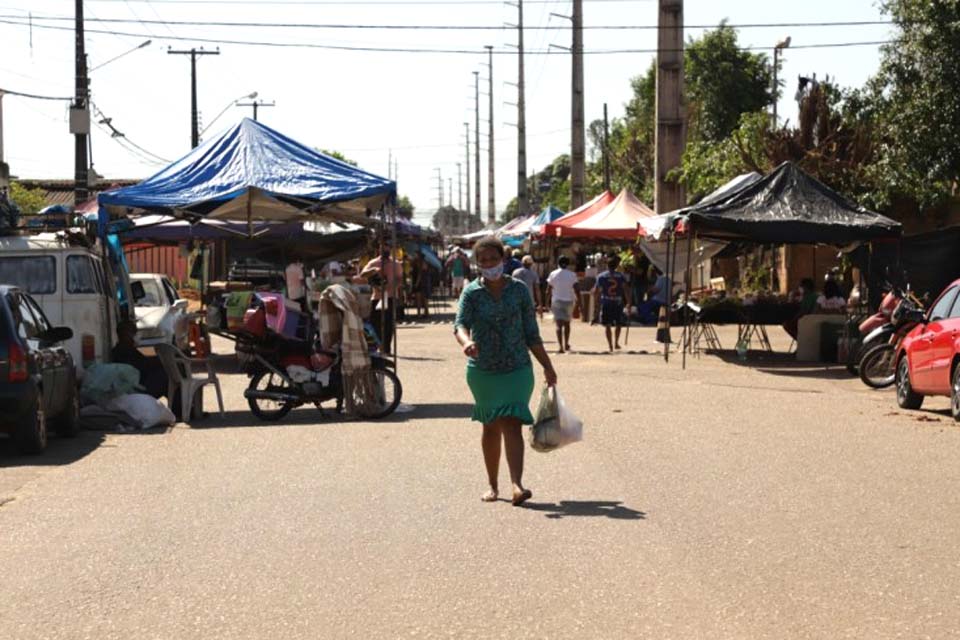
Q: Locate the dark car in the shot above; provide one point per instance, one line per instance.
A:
(38, 381)
(928, 363)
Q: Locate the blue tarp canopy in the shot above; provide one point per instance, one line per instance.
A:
(251, 173)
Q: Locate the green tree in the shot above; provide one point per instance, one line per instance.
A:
(723, 82)
(405, 208)
(916, 104)
(338, 156)
(27, 200)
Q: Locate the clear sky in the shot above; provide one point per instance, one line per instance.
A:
(366, 103)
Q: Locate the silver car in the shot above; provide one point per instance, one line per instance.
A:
(161, 314)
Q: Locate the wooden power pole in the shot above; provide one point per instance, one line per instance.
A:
(671, 116)
(491, 200)
(578, 153)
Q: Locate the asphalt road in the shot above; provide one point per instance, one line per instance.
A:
(756, 500)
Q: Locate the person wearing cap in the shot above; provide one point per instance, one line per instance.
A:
(529, 277)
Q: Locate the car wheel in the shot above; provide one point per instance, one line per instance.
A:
(907, 398)
(955, 394)
(68, 425)
(31, 434)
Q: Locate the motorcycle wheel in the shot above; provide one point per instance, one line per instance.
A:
(387, 392)
(269, 410)
(878, 366)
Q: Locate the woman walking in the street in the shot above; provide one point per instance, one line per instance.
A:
(497, 327)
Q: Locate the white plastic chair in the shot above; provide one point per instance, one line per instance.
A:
(179, 370)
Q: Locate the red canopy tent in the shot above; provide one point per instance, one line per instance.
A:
(617, 220)
(582, 213)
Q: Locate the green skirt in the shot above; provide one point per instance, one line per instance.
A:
(501, 394)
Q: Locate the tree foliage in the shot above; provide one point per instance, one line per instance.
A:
(916, 104)
(723, 82)
(405, 208)
(27, 200)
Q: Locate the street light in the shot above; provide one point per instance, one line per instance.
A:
(249, 96)
(143, 44)
(777, 48)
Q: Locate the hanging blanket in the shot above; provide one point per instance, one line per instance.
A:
(341, 324)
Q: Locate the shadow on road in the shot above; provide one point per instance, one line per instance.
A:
(59, 452)
(586, 508)
(785, 364)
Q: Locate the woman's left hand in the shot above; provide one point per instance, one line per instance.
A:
(550, 375)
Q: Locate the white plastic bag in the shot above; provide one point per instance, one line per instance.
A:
(555, 425)
(146, 410)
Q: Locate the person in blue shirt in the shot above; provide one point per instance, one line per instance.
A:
(511, 261)
(497, 328)
(614, 292)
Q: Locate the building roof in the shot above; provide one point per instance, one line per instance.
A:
(60, 191)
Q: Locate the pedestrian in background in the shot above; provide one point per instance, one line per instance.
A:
(613, 290)
(497, 329)
(386, 277)
(563, 296)
(529, 277)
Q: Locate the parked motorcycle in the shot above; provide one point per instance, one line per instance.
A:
(876, 329)
(877, 363)
(285, 374)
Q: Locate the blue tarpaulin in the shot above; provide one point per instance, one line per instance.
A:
(252, 173)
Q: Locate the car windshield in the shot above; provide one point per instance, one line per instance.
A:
(33, 274)
(152, 294)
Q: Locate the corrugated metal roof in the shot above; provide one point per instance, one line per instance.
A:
(61, 191)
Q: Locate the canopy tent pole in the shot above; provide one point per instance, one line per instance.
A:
(686, 306)
(393, 257)
(671, 241)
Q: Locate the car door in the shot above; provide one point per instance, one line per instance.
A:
(943, 350)
(30, 329)
(178, 311)
(61, 363)
(924, 354)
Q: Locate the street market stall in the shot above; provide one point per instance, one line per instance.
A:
(259, 178)
(786, 206)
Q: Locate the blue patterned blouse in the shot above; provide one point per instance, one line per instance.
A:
(503, 329)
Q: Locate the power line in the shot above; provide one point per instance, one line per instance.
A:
(10, 92)
(359, 2)
(451, 27)
(473, 52)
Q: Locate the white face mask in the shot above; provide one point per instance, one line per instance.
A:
(493, 273)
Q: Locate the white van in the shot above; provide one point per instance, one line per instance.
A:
(72, 283)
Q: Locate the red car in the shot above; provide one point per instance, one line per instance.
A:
(928, 357)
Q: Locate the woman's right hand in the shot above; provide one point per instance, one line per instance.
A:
(470, 349)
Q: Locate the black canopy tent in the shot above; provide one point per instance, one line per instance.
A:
(787, 206)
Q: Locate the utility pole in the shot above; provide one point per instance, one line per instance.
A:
(450, 192)
(606, 149)
(4, 168)
(80, 112)
(476, 142)
(390, 164)
(522, 199)
(396, 170)
(459, 187)
(578, 154)
(256, 104)
(777, 52)
(491, 200)
(466, 126)
(194, 115)
(439, 188)
(671, 119)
